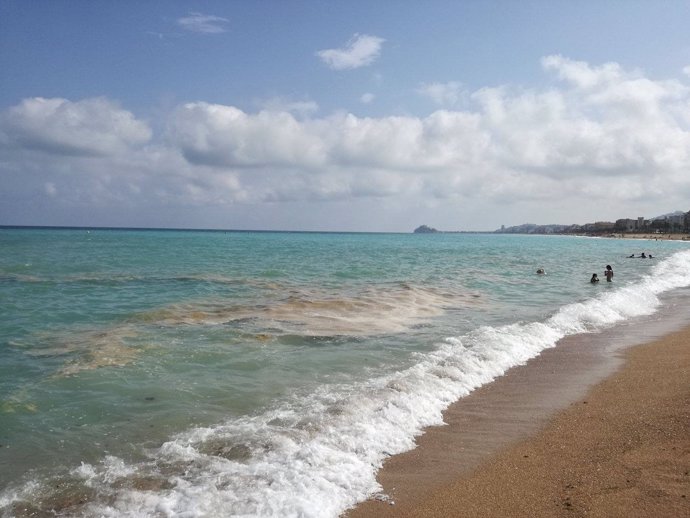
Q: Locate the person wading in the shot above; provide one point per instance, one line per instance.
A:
(609, 273)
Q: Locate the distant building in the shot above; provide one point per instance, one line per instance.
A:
(676, 223)
(625, 225)
(600, 226)
(630, 225)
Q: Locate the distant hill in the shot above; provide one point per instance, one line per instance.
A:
(669, 215)
(596, 228)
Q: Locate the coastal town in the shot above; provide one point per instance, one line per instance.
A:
(675, 225)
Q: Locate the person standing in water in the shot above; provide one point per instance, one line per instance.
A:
(609, 273)
(594, 278)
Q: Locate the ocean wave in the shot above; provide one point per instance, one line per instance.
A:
(317, 454)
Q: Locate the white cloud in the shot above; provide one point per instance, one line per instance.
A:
(203, 23)
(603, 122)
(225, 136)
(581, 73)
(602, 133)
(443, 94)
(90, 127)
(606, 121)
(367, 98)
(361, 50)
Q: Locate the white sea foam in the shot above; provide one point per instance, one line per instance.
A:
(317, 454)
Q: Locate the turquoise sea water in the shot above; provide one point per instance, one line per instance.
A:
(192, 373)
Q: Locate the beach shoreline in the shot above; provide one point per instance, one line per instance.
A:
(573, 432)
(656, 237)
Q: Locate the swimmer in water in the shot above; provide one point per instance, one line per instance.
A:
(609, 273)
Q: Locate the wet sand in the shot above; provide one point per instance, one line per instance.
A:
(590, 428)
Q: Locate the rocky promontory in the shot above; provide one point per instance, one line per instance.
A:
(425, 230)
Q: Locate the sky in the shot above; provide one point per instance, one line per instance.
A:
(342, 115)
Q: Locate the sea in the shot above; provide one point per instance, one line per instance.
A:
(156, 373)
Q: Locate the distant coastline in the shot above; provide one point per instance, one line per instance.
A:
(424, 229)
(673, 236)
(674, 225)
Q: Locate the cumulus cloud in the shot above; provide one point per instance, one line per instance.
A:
(606, 120)
(225, 136)
(203, 23)
(603, 121)
(581, 74)
(90, 127)
(601, 132)
(361, 50)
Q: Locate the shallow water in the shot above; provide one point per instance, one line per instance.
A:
(147, 373)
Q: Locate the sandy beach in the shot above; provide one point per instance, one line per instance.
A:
(656, 237)
(619, 448)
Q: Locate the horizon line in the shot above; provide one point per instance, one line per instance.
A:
(190, 229)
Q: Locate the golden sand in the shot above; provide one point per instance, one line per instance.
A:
(622, 449)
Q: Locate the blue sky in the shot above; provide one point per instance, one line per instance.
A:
(363, 116)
